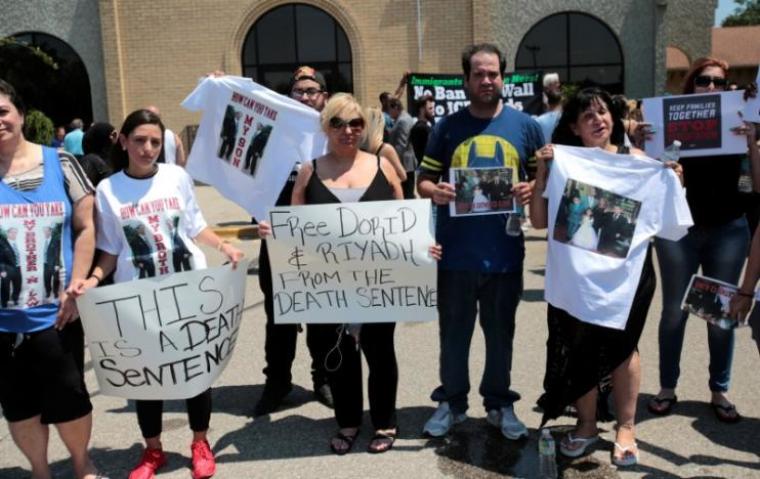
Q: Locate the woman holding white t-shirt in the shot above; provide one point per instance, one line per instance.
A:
(138, 209)
(581, 354)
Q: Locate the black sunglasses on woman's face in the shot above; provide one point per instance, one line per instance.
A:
(705, 80)
(339, 123)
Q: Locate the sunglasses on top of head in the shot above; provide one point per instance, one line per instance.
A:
(705, 80)
(339, 123)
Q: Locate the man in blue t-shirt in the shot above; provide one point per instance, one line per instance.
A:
(481, 267)
(72, 142)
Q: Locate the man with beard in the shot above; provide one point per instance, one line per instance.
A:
(425, 109)
(481, 267)
(309, 87)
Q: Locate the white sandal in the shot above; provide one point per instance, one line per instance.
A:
(584, 442)
(630, 455)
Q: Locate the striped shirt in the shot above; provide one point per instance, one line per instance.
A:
(75, 180)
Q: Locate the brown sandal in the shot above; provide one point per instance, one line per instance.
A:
(382, 442)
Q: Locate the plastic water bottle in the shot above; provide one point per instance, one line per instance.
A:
(672, 153)
(514, 222)
(547, 456)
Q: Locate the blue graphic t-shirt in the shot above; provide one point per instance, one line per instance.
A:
(480, 242)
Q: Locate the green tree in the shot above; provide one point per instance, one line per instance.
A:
(747, 12)
(38, 128)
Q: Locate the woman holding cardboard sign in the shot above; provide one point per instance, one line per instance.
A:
(144, 212)
(717, 242)
(345, 175)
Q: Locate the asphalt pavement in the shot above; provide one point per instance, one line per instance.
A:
(293, 442)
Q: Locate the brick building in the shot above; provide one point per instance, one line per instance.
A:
(140, 52)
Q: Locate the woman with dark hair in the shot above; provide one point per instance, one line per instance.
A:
(717, 242)
(96, 144)
(41, 339)
(580, 352)
(138, 179)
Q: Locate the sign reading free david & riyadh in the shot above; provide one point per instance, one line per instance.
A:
(167, 337)
(353, 262)
(522, 91)
(702, 123)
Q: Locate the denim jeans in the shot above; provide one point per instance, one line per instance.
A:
(460, 295)
(720, 251)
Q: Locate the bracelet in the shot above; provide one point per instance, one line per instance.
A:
(221, 245)
(97, 278)
(743, 294)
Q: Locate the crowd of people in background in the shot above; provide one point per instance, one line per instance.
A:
(374, 154)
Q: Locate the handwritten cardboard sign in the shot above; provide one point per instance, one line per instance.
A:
(752, 107)
(167, 337)
(353, 262)
(702, 123)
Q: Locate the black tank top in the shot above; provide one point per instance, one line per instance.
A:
(317, 193)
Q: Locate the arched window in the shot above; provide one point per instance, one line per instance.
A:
(48, 74)
(581, 48)
(292, 35)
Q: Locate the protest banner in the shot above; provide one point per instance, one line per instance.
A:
(522, 91)
(167, 337)
(353, 262)
(752, 107)
(710, 299)
(249, 140)
(702, 123)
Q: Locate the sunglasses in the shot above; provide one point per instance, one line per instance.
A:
(705, 80)
(339, 123)
(310, 92)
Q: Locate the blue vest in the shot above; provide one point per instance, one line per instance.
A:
(29, 269)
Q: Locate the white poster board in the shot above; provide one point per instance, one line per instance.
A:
(752, 107)
(167, 337)
(353, 262)
(249, 140)
(702, 123)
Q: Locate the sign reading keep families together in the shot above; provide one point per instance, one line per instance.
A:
(702, 123)
(353, 262)
(164, 338)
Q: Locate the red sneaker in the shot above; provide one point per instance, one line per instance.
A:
(152, 460)
(204, 465)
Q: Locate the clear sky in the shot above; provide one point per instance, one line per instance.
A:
(725, 8)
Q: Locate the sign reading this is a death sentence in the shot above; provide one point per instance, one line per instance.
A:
(353, 262)
(167, 337)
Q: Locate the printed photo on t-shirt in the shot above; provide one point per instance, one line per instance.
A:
(245, 132)
(596, 220)
(32, 268)
(482, 191)
(709, 299)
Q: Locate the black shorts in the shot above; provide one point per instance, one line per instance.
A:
(44, 375)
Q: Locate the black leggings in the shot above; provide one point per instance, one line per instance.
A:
(198, 413)
(376, 341)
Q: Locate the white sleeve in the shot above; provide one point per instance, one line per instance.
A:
(194, 221)
(109, 234)
(676, 216)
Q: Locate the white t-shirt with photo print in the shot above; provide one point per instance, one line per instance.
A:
(149, 223)
(594, 287)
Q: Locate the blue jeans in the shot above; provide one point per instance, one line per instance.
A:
(460, 295)
(720, 251)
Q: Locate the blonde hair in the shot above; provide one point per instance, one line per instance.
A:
(375, 128)
(346, 104)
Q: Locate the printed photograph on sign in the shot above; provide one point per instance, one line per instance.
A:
(709, 299)
(32, 268)
(244, 133)
(596, 220)
(482, 191)
(695, 122)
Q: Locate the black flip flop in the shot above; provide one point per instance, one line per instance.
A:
(723, 413)
(386, 438)
(347, 439)
(668, 402)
